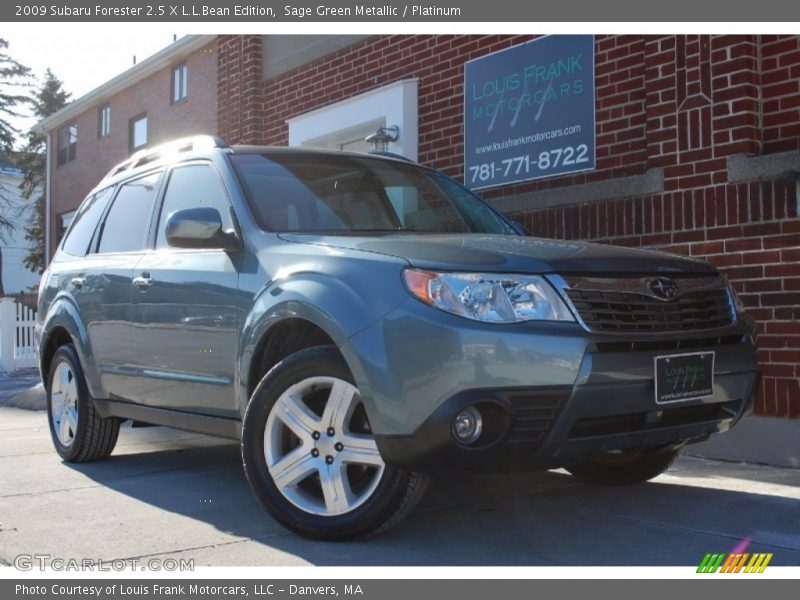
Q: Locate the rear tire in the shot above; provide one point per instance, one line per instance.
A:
(627, 467)
(79, 434)
(310, 456)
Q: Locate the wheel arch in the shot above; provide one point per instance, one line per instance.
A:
(285, 330)
(334, 306)
(61, 326)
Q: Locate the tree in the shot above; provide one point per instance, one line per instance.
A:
(45, 100)
(13, 78)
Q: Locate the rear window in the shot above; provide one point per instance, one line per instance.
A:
(345, 193)
(125, 227)
(79, 236)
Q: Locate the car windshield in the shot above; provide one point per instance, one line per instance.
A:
(315, 192)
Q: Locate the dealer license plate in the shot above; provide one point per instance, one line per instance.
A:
(682, 377)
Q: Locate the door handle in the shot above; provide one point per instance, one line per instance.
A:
(143, 281)
(78, 282)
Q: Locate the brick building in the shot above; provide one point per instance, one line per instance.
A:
(142, 106)
(697, 143)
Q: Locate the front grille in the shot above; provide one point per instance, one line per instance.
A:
(534, 414)
(673, 417)
(669, 345)
(621, 311)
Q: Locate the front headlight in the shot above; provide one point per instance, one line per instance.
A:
(488, 296)
(737, 302)
(741, 314)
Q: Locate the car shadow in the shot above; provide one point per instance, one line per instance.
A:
(543, 518)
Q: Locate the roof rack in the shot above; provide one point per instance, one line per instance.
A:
(150, 155)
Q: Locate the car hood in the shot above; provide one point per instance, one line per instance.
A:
(508, 253)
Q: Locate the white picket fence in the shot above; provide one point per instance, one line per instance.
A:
(17, 346)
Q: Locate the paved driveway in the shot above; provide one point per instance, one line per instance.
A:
(169, 493)
(11, 385)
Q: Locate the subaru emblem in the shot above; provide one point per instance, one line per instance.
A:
(664, 288)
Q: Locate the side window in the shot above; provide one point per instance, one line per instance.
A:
(192, 186)
(125, 227)
(85, 222)
(63, 221)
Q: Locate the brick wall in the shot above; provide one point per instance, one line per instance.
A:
(683, 104)
(780, 92)
(197, 114)
(240, 106)
(750, 230)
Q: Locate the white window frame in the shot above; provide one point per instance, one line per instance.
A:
(104, 121)
(132, 132)
(68, 134)
(180, 85)
(355, 118)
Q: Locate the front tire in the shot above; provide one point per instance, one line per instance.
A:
(626, 467)
(79, 434)
(310, 456)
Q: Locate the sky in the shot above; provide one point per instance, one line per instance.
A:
(86, 60)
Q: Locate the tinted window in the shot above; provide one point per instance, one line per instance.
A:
(125, 226)
(63, 221)
(318, 192)
(193, 186)
(85, 222)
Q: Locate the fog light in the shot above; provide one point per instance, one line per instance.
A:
(467, 425)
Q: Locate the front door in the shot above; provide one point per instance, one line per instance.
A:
(185, 323)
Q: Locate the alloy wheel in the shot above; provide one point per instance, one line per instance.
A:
(64, 404)
(319, 448)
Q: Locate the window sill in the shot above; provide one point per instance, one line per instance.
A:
(763, 167)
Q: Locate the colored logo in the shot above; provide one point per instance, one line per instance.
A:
(735, 562)
(664, 288)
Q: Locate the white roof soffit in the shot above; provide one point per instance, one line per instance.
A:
(161, 59)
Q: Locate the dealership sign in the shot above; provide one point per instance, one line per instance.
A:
(529, 111)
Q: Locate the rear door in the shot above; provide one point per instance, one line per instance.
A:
(76, 271)
(117, 247)
(185, 332)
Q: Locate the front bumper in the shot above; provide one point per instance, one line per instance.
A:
(553, 427)
(552, 392)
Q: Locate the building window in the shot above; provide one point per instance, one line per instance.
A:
(67, 144)
(138, 132)
(344, 125)
(180, 88)
(64, 220)
(103, 121)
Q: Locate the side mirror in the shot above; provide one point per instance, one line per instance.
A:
(519, 228)
(199, 228)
